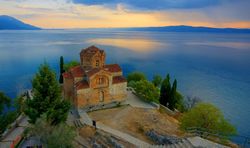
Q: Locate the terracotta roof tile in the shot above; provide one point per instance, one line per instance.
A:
(82, 84)
(113, 68)
(90, 51)
(77, 71)
(119, 79)
(92, 72)
(67, 75)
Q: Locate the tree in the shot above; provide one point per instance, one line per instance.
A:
(6, 119)
(173, 99)
(135, 76)
(190, 102)
(165, 91)
(6, 116)
(47, 98)
(207, 116)
(146, 90)
(60, 135)
(4, 102)
(70, 64)
(179, 105)
(61, 69)
(169, 95)
(157, 80)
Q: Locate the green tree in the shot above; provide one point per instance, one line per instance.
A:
(173, 98)
(70, 64)
(4, 102)
(165, 91)
(157, 80)
(61, 69)
(19, 104)
(47, 97)
(169, 95)
(6, 119)
(179, 105)
(207, 116)
(135, 76)
(146, 90)
(51, 136)
(8, 116)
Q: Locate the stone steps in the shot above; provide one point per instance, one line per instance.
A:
(78, 123)
(184, 143)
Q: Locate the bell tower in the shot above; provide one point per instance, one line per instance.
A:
(92, 57)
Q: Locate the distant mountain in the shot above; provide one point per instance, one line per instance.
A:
(189, 29)
(10, 23)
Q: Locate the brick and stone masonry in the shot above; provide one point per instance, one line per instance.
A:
(92, 82)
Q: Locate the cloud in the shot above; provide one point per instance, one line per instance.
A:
(128, 13)
(154, 4)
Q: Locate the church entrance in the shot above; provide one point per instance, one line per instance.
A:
(101, 96)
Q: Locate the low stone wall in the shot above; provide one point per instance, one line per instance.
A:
(167, 110)
(162, 139)
(12, 126)
(156, 105)
(101, 106)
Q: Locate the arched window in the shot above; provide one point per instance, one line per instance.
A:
(101, 80)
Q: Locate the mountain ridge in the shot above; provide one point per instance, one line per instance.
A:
(11, 23)
(184, 28)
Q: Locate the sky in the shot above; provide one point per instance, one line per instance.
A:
(129, 13)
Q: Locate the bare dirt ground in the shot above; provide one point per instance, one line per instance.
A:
(95, 137)
(137, 121)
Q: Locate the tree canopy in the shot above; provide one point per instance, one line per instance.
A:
(146, 90)
(207, 116)
(70, 64)
(169, 96)
(61, 69)
(60, 135)
(47, 97)
(135, 76)
(157, 80)
(7, 116)
(4, 102)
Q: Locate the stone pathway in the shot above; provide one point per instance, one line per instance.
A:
(124, 136)
(84, 117)
(200, 142)
(6, 142)
(134, 101)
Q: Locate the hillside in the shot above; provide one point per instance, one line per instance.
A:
(10, 23)
(189, 29)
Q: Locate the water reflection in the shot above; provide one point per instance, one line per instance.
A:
(137, 45)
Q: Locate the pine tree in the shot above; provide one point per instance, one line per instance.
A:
(47, 97)
(61, 69)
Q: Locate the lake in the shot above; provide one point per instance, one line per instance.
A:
(212, 66)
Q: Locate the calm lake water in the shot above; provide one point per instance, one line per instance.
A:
(214, 67)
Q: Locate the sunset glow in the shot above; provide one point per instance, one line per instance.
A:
(126, 13)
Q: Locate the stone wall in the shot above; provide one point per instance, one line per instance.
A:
(118, 91)
(117, 74)
(68, 88)
(91, 61)
(103, 95)
(106, 80)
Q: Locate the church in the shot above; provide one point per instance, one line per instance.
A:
(93, 83)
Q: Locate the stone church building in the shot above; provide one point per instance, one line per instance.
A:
(93, 83)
